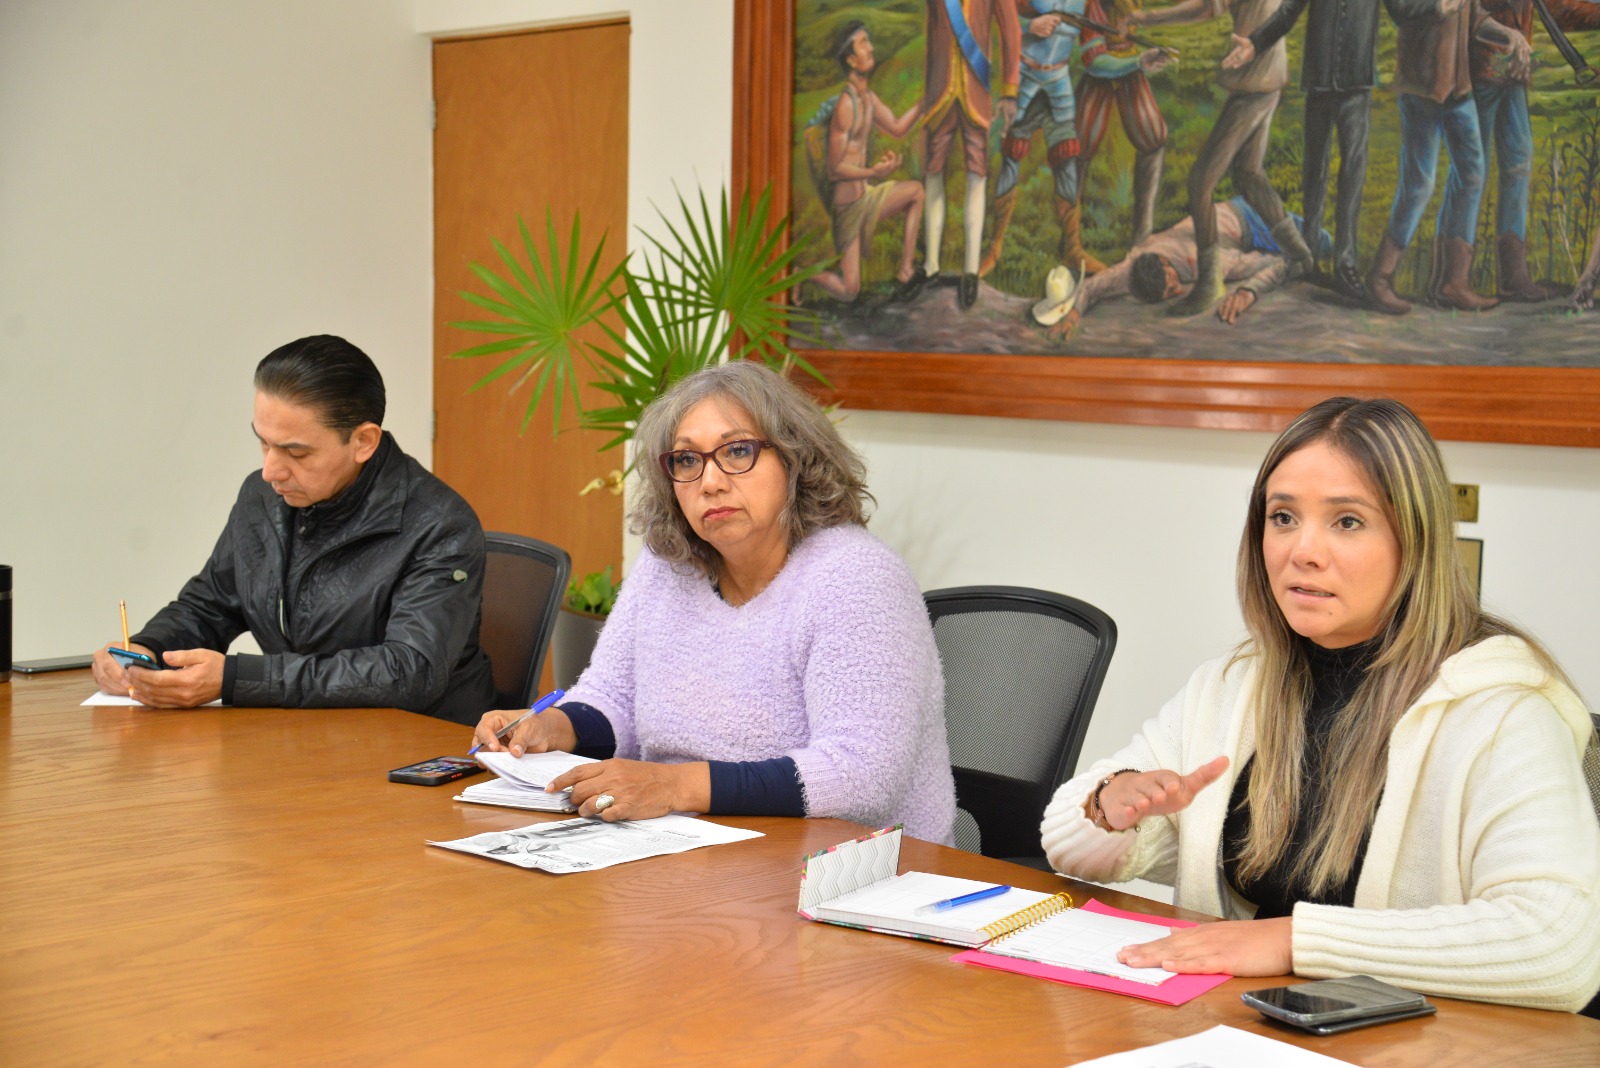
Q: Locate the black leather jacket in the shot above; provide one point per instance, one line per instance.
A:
(370, 599)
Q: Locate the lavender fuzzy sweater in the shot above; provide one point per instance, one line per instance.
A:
(832, 665)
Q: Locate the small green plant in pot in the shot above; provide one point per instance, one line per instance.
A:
(589, 600)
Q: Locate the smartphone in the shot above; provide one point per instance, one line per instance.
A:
(1367, 1021)
(1329, 1006)
(436, 772)
(54, 663)
(129, 658)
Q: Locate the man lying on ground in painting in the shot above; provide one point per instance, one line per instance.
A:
(1162, 267)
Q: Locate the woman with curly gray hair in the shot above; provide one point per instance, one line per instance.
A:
(767, 656)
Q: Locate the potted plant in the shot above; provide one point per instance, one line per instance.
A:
(710, 289)
(589, 600)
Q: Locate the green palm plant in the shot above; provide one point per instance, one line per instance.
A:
(709, 290)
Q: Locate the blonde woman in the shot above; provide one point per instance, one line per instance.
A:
(1383, 778)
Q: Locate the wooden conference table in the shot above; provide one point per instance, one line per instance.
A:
(243, 886)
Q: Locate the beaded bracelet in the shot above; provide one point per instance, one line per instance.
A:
(1098, 814)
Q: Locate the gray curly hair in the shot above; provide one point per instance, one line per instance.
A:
(827, 478)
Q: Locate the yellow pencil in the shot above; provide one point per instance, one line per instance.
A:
(122, 606)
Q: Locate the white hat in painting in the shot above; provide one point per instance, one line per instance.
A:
(1060, 295)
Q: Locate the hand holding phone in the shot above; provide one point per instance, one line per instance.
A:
(132, 658)
(1329, 1006)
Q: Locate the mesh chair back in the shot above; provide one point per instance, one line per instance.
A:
(1591, 772)
(1022, 671)
(523, 584)
(1591, 763)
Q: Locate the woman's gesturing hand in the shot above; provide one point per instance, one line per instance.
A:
(1132, 796)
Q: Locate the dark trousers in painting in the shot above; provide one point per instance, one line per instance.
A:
(1348, 111)
(1237, 143)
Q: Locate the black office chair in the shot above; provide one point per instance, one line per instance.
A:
(1591, 772)
(1022, 670)
(1591, 764)
(524, 582)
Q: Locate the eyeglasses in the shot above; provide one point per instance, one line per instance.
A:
(731, 458)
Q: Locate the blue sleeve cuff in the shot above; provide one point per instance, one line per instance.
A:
(595, 737)
(756, 788)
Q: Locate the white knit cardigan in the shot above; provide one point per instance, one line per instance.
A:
(1482, 876)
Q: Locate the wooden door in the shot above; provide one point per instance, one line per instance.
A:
(526, 122)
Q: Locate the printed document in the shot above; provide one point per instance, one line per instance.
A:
(1220, 1047)
(588, 844)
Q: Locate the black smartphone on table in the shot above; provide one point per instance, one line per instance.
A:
(53, 663)
(436, 772)
(1329, 1006)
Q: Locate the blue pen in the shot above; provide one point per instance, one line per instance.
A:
(964, 899)
(538, 706)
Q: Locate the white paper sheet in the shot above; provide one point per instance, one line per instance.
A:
(1220, 1047)
(1087, 941)
(103, 699)
(586, 844)
(509, 795)
(531, 770)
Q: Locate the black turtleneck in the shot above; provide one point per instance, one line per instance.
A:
(1335, 676)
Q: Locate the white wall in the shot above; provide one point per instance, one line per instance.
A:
(185, 185)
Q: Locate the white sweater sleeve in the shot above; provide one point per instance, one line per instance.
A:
(1076, 847)
(1520, 922)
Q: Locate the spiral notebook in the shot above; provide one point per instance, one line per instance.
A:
(1079, 948)
(858, 884)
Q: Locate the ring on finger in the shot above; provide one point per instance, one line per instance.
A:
(603, 802)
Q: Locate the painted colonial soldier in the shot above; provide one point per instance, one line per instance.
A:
(958, 101)
(1046, 102)
(1135, 104)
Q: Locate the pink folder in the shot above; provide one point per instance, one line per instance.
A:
(1174, 991)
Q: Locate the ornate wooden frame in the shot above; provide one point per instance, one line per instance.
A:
(1524, 405)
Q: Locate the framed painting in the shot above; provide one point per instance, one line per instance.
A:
(988, 274)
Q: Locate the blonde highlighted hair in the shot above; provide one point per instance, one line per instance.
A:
(1431, 614)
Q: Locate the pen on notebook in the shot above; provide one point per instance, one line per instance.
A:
(122, 606)
(538, 706)
(963, 899)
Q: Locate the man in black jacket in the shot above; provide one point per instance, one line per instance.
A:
(359, 574)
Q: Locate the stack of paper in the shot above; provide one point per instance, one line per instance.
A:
(521, 781)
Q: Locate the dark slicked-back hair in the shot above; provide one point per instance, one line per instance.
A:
(1147, 280)
(842, 43)
(328, 375)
